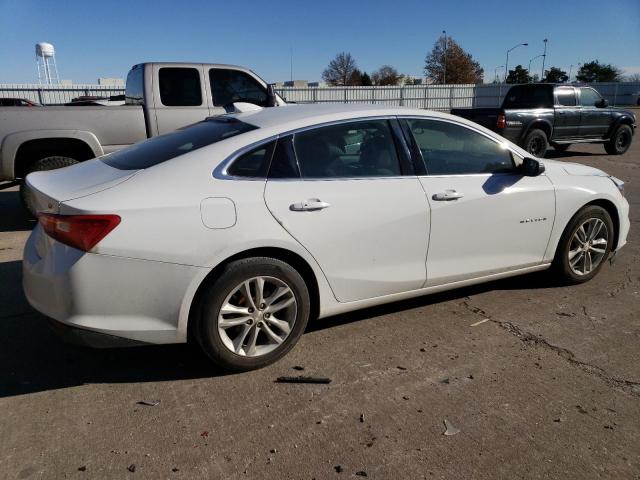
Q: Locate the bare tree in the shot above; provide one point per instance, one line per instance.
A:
(460, 65)
(634, 77)
(340, 70)
(386, 75)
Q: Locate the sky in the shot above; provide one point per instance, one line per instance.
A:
(104, 39)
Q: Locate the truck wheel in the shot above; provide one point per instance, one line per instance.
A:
(47, 163)
(562, 147)
(620, 140)
(252, 314)
(536, 143)
(585, 245)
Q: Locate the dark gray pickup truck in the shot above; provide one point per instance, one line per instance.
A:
(541, 114)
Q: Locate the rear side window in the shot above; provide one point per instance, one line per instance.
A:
(180, 87)
(566, 97)
(450, 149)
(253, 164)
(229, 86)
(529, 97)
(346, 150)
(134, 92)
(165, 147)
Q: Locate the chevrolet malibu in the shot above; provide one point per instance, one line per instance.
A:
(237, 230)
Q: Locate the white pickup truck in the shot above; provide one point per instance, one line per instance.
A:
(160, 97)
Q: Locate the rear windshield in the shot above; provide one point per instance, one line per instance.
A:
(529, 97)
(165, 147)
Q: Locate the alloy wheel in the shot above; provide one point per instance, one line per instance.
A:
(257, 316)
(588, 246)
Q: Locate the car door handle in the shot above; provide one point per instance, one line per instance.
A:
(447, 196)
(309, 205)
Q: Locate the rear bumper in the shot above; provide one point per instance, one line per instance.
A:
(89, 338)
(132, 299)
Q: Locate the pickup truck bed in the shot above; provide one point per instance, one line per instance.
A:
(101, 129)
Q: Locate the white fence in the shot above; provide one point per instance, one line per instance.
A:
(440, 97)
(56, 94)
(433, 97)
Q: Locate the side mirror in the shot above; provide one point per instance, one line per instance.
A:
(272, 100)
(602, 103)
(532, 167)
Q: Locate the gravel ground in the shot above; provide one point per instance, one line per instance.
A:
(548, 387)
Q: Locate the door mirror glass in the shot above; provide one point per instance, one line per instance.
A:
(532, 167)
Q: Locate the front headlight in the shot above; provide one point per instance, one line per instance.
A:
(618, 183)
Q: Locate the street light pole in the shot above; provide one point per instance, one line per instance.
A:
(544, 57)
(529, 69)
(506, 64)
(570, 70)
(495, 73)
(444, 79)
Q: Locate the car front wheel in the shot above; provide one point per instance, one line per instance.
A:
(584, 245)
(252, 314)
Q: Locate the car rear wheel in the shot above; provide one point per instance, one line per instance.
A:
(620, 140)
(47, 163)
(252, 314)
(536, 143)
(585, 245)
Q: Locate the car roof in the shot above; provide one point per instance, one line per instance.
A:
(294, 116)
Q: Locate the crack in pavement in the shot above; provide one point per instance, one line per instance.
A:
(627, 386)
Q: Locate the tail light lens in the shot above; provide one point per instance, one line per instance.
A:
(78, 231)
(502, 122)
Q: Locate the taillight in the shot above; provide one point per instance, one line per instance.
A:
(78, 231)
(502, 122)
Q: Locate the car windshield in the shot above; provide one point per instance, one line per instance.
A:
(529, 97)
(165, 147)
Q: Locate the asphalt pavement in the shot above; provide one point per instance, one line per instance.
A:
(535, 380)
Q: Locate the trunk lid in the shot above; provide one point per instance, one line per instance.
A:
(46, 190)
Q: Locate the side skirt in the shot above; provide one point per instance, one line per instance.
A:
(337, 308)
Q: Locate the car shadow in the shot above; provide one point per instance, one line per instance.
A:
(34, 359)
(13, 217)
(555, 154)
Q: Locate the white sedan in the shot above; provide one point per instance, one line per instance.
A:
(238, 229)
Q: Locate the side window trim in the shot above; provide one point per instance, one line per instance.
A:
(420, 160)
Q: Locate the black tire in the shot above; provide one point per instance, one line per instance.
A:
(561, 264)
(216, 292)
(536, 143)
(562, 147)
(47, 163)
(620, 140)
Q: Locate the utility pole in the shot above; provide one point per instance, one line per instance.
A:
(544, 57)
(570, 70)
(506, 64)
(495, 73)
(291, 65)
(444, 79)
(529, 69)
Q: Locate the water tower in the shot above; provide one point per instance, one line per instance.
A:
(46, 62)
